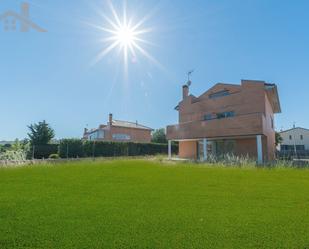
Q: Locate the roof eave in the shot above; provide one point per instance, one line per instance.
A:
(278, 100)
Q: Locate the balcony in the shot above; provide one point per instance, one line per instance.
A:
(240, 125)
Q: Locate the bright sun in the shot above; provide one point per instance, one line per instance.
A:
(125, 36)
(121, 32)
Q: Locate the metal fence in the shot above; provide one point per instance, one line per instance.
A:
(292, 154)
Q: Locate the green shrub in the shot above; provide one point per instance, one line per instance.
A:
(15, 155)
(53, 156)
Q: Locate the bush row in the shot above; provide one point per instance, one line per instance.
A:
(78, 148)
(73, 148)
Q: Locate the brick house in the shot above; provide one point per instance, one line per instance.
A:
(119, 131)
(228, 118)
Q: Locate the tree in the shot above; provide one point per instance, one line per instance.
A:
(7, 146)
(158, 136)
(278, 138)
(23, 145)
(40, 133)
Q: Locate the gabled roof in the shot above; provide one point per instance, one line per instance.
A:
(128, 124)
(295, 128)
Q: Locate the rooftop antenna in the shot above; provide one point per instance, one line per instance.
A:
(295, 149)
(189, 82)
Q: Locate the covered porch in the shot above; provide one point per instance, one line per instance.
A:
(254, 146)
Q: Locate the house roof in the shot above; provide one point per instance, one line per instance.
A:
(22, 19)
(270, 89)
(272, 93)
(119, 123)
(128, 124)
(91, 131)
(294, 129)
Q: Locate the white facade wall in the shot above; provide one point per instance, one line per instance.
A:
(293, 137)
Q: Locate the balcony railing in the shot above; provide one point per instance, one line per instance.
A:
(241, 125)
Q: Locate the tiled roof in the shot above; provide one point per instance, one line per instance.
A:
(130, 125)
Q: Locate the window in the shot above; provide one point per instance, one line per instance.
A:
(223, 147)
(301, 137)
(290, 137)
(225, 114)
(229, 114)
(219, 94)
(272, 122)
(98, 134)
(300, 147)
(292, 147)
(208, 117)
(121, 136)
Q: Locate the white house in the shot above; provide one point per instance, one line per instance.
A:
(295, 138)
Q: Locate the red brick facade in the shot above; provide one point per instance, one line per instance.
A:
(119, 131)
(230, 117)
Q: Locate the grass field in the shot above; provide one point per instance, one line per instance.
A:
(145, 204)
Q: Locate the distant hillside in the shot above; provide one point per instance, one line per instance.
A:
(6, 142)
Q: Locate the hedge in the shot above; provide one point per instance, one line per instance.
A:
(78, 148)
(69, 148)
(42, 151)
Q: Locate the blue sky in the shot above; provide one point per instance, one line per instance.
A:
(52, 76)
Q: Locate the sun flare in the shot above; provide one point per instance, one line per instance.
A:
(125, 36)
(123, 33)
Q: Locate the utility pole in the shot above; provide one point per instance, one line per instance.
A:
(295, 150)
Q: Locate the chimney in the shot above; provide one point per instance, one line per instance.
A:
(85, 130)
(185, 91)
(110, 119)
(25, 14)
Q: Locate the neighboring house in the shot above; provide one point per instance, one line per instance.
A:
(228, 118)
(119, 131)
(10, 19)
(293, 139)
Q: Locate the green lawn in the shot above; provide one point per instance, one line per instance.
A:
(144, 204)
